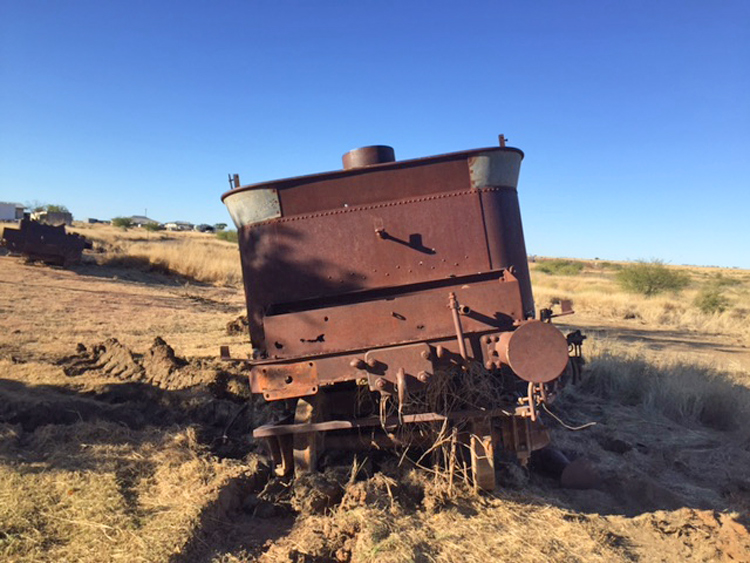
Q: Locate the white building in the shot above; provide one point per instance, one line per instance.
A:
(179, 226)
(11, 211)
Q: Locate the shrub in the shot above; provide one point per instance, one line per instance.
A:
(650, 278)
(122, 222)
(229, 236)
(55, 208)
(561, 267)
(153, 227)
(710, 300)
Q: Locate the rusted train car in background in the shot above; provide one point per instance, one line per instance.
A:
(366, 285)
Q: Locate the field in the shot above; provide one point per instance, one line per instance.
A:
(124, 438)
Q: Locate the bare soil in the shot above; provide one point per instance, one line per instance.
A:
(123, 437)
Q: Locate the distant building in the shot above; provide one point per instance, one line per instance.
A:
(140, 221)
(53, 217)
(203, 228)
(11, 211)
(178, 226)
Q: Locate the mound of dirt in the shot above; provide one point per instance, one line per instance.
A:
(238, 326)
(159, 366)
(110, 358)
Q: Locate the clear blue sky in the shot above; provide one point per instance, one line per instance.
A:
(634, 116)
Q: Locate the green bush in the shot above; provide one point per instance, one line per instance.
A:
(55, 208)
(229, 236)
(122, 222)
(710, 300)
(560, 267)
(650, 278)
(153, 227)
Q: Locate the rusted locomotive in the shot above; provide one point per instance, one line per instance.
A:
(366, 286)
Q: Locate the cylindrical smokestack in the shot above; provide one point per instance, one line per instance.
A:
(367, 156)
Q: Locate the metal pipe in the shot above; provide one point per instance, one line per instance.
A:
(454, 307)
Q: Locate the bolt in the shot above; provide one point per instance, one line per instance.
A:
(489, 364)
(440, 351)
(380, 383)
(357, 363)
(426, 354)
(423, 376)
(372, 362)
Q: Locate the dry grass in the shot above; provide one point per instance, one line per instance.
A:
(595, 293)
(197, 256)
(101, 492)
(683, 391)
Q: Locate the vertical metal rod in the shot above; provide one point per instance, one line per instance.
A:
(453, 304)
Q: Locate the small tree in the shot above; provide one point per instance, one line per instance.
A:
(651, 278)
(54, 208)
(220, 226)
(123, 222)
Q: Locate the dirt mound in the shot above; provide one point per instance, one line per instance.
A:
(688, 534)
(159, 366)
(238, 326)
(110, 358)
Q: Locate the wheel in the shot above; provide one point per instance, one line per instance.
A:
(308, 446)
(482, 455)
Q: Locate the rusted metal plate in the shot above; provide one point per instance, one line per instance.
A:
(285, 381)
(360, 248)
(384, 363)
(391, 422)
(535, 351)
(412, 317)
(507, 248)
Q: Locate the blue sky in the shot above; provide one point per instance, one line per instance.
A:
(634, 116)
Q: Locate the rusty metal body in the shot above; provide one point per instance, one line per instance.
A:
(380, 274)
(47, 243)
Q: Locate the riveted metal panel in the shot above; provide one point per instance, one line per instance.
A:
(366, 247)
(418, 316)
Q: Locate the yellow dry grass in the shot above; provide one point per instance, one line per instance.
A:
(101, 492)
(197, 256)
(595, 293)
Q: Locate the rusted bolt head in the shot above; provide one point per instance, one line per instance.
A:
(423, 376)
(440, 351)
(489, 364)
(380, 383)
(358, 363)
(426, 354)
(372, 362)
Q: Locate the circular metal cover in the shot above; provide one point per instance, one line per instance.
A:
(367, 156)
(535, 351)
